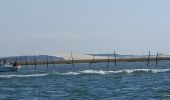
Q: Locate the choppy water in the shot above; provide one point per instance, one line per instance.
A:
(126, 81)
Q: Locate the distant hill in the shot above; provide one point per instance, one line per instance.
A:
(55, 58)
(31, 58)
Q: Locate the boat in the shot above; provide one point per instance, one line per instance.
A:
(8, 68)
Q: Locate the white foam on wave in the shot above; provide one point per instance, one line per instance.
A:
(101, 72)
(23, 76)
(69, 73)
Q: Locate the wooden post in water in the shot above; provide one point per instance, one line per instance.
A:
(115, 57)
(26, 61)
(47, 61)
(157, 59)
(52, 61)
(108, 61)
(35, 62)
(148, 59)
(91, 61)
(16, 59)
(72, 59)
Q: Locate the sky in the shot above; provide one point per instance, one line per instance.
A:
(85, 26)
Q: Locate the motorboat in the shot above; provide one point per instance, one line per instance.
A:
(8, 68)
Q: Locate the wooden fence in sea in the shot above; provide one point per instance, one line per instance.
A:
(108, 59)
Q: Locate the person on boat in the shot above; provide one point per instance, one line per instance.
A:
(15, 64)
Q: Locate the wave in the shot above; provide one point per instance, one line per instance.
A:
(128, 71)
(23, 76)
(101, 72)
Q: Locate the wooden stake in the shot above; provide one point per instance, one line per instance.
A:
(47, 61)
(16, 59)
(157, 59)
(26, 61)
(35, 62)
(52, 61)
(115, 57)
(91, 61)
(108, 61)
(72, 59)
(148, 59)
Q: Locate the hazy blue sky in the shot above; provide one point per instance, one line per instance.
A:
(84, 26)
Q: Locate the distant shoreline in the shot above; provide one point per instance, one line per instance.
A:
(95, 60)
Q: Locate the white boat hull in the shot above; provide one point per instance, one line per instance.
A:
(8, 69)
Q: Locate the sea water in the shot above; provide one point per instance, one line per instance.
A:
(125, 81)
